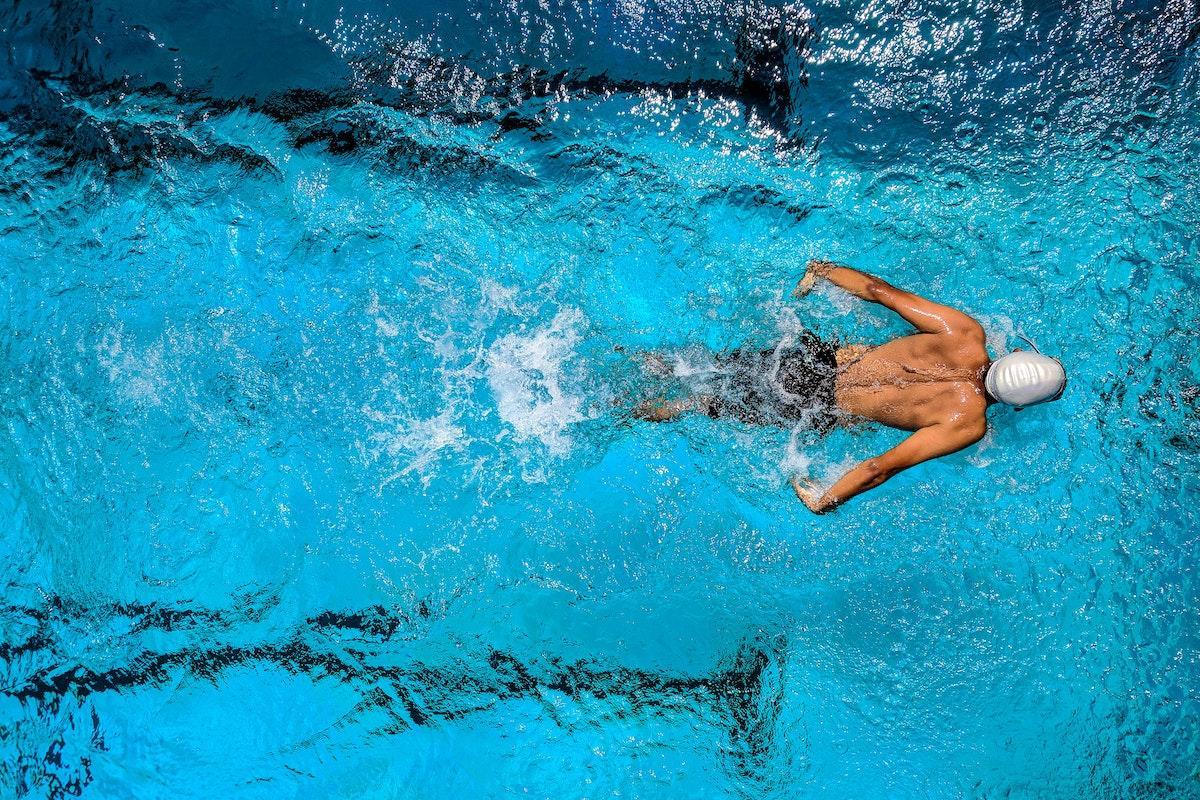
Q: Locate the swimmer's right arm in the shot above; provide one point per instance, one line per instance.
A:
(855, 282)
(927, 443)
(924, 315)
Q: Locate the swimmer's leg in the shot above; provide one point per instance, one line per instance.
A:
(659, 409)
(668, 410)
(655, 364)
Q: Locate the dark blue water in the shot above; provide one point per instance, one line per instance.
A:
(316, 332)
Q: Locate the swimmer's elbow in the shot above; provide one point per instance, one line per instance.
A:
(970, 330)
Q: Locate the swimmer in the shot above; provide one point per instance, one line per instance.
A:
(937, 383)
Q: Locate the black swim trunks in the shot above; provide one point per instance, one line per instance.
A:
(779, 387)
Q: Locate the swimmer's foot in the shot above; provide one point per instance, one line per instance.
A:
(657, 410)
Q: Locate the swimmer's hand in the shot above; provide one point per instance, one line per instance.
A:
(809, 494)
(816, 268)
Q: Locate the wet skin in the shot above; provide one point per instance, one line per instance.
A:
(915, 381)
(930, 383)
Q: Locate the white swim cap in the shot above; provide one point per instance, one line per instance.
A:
(1025, 379)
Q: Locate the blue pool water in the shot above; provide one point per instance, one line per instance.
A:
(316, 330)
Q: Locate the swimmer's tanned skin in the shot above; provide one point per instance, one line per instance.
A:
(930, 382)
(937, 383)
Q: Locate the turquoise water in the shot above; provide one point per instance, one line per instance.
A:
(316, 336)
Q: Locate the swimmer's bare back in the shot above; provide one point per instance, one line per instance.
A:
(930, 382)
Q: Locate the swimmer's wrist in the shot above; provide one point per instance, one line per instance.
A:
(813, 270)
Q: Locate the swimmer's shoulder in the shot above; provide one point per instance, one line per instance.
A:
(967, 415)
(966, 347)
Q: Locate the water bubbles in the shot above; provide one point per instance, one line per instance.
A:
(527, 375)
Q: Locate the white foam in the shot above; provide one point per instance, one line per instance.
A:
(843, 301)
(979, 456)
(821, 471)
(525, 372)
(795, 460)
(421, 441)
(137, 376)
(495, 297)
(998, 329)
(690, 365)
(385, 323)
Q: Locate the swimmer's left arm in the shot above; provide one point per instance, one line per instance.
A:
(920, 312)
(925, 444)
